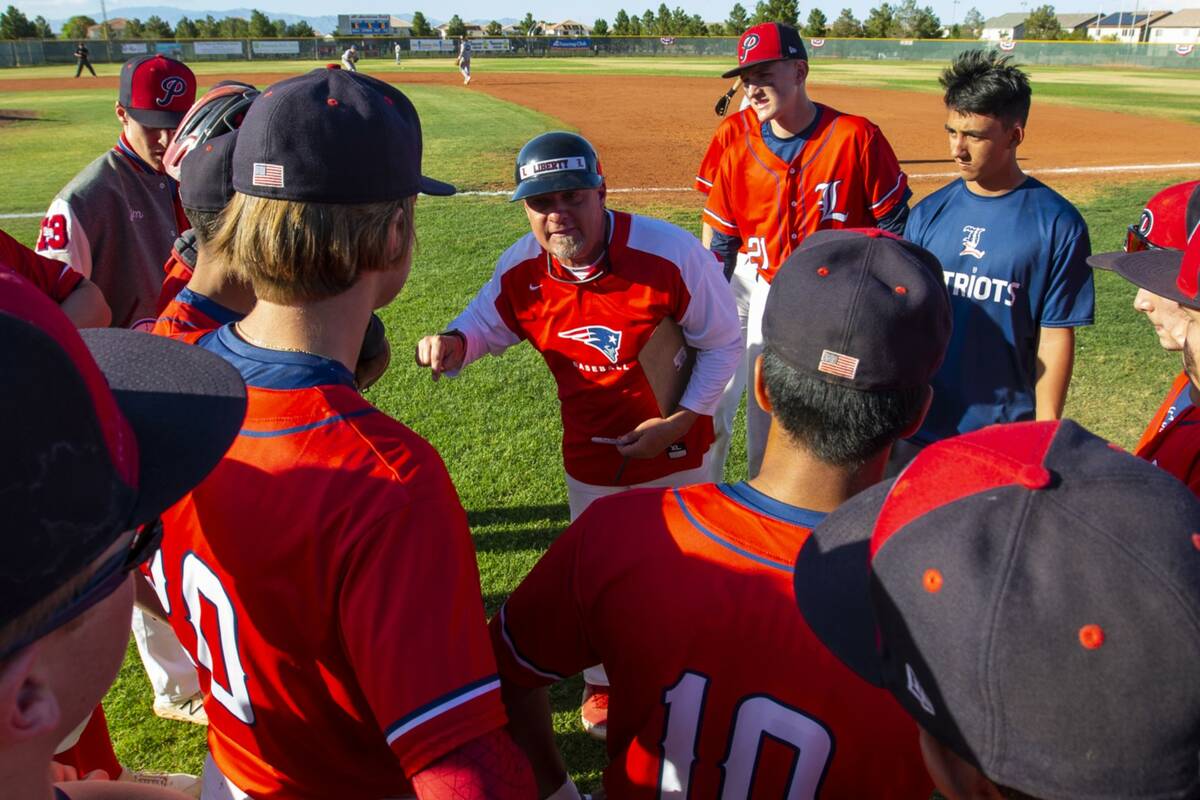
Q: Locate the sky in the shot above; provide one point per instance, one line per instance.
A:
(553, 10)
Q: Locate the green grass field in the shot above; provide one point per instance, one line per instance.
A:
(497, 425)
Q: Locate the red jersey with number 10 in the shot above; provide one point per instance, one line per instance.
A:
(719, 688)
(323, 579)
(845, 176)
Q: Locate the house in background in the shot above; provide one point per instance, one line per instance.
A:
(1126, 26)
(1005, 26)
(568, 27)
(116, 28)
(1182, 27)
(473, 31)
(1076, 22)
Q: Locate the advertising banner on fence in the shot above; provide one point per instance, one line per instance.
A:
(433, 45)
(172, 49)
(218, 48)
(491, 45)
(133, 48)
(276, 47)
(571, 44)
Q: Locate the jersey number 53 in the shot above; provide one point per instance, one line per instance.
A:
(757, 716)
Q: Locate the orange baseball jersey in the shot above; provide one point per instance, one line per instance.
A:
(178, 269)
(590, 334)
(53, 278)
(1176, 447)
(719, 688)
(1179, 397)
(731, 128)
(323, 579)
(192, 315)
(845, 176)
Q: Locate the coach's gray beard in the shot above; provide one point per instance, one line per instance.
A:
(567, 247)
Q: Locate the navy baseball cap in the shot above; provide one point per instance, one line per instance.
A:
(206, 175)
(107, 429)
(1030, 594)
(332, 136)
(1153, 249)
(765, 42)
(861, 308)
(156, 91)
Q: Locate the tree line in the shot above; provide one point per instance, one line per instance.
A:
(905, 20)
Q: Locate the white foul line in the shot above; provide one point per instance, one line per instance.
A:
(1095, 170)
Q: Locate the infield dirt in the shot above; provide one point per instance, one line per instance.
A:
(651, 131)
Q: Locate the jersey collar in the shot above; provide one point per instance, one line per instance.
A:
(746, 495)
(263, 368)
(222, 315)
(594, 270)
(126, 149)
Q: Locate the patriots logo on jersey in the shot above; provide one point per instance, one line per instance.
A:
(827, 201)
(748, 44)
(971, 241)
(604, 339)
(173, 86)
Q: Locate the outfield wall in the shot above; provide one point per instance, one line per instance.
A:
(33, 51)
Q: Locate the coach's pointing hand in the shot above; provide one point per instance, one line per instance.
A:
(442, 353)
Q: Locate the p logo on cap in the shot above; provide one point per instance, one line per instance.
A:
(172, 87)
(748, 44)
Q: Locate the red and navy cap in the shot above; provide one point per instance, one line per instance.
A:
(1031, 596)
(206, 175)
(106, 429)
(768, 41)
(157, 91)
(1151, 259)
(332, 136)
(861, 308)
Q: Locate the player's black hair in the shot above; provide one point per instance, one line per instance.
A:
(204, 223)
(839, 425)
(984, 82)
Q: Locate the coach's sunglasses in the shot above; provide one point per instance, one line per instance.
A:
(103, 582)
(1136, 241)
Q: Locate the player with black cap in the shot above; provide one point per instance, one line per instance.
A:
(719, 670)
(600, 294)
(1031, 596)
(101, 449)
(377, 678)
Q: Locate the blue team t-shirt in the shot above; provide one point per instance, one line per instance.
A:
(1013, 264)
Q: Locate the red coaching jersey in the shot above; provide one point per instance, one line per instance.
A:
(53, 278)
(731, 128)
(1178, 398)
(845, 176)
(719, 688)
(1176, 446)
(191, 315)
(323, 580)
(591, 333)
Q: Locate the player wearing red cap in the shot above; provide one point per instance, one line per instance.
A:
(115, 221)
(1151, 261)
(804, 167)
(377, 680)
(720, 689)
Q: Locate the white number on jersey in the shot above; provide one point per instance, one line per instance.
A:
(199, 580)
(756, 253)
(757, 716)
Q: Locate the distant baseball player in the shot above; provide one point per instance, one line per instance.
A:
(350, 58)
(588, 288)
(81, 60)
(376, 679)
(1015, 254)
(719, 689)
(116, 220)
(1002, 588)
(79, 298)
(88, 465)
(804, 167)
(1151, 262)
(464, 60)
(397, 54)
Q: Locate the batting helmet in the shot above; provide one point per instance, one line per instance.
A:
(1168, 219)
(556, 162)
(219, 111)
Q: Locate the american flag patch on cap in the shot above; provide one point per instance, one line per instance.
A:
(837, 364)
(268, 175)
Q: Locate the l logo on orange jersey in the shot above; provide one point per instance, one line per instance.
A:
(604, 339)
(828, 201)
(748, 44)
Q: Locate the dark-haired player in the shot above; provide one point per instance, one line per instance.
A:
(1015, 259)
(720, 689)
